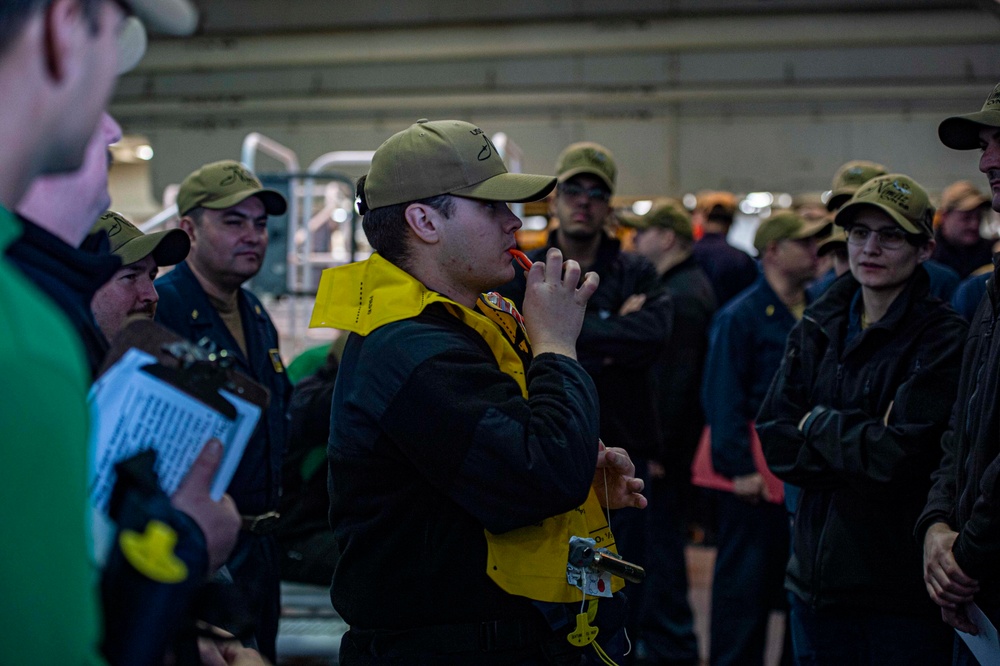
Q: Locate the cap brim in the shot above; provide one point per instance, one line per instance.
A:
(509, 187)
(962, 132)
(632, 220)
(172, 17)
(810, 229)
(274, 202)
(838, 198)
(830, 245)
(566, 175)
(131, 45)
(847, 214)
(167, 247)
(970, 202)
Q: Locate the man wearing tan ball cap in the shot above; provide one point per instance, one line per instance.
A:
(957, 224)
(665, 236)
(462, 433)
(730, 269)
(130, 291)
(225, 210)
(960, 526)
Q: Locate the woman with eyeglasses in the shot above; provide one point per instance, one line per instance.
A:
(854, 417)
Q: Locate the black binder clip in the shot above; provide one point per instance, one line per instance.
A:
(201, 372)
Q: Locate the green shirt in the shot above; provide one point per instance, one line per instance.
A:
(48, 590)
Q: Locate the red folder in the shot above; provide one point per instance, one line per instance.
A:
(703, 474)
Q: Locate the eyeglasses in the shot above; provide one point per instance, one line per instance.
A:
(594, 193)
(890, 238)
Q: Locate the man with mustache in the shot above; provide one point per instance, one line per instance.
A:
(224, 210)
(960, 525)
(130, 291)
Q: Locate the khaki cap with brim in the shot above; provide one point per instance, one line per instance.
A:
(589, 158)
(223, 184)
(716, 202)
(833, 241)
(435, 157)
(962, 132)
(664, 214)
(849, 178)
(962, 196)
(172, 17)
(898, 196)
(786, 225)
(131, 245)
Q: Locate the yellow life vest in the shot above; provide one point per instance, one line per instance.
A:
(360, 297)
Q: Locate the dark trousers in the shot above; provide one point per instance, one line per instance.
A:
(255, 569)
(848, 637)
(660, 620)
(748, 582)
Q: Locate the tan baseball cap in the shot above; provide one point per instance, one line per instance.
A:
(833, 241)
(899, 196)
(590, 158)
(962, 132)
(716, 202)
(962, 196)
(220, 185)
(435, 157)
(128, 242)
(786, 225)
(173, 17)
(849, 178)
(665, 214)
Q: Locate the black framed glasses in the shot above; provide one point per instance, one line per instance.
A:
(890, 238)
(594, 193)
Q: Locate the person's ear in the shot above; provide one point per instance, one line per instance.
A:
(188, 225)
(669, 239)
(925, 251)
(65, 29)
(424, 221)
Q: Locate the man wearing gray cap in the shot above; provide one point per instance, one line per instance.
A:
(960, 526)
(464, 438)
(58, 64)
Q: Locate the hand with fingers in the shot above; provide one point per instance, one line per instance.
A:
(949, 586)
(219, 520)
(615, 482)
(751, 488)
(554, 303)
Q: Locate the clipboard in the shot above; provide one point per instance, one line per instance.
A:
(197, 369)
(156, 390)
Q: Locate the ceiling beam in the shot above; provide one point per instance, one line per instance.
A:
(441, 44)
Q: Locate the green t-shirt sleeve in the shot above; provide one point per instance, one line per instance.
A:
(48, 582)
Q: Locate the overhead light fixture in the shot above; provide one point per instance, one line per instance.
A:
(642, 206)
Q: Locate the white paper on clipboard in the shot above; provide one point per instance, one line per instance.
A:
(134, 411)
(984, 645)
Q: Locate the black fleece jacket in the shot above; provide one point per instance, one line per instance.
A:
(878, 402)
